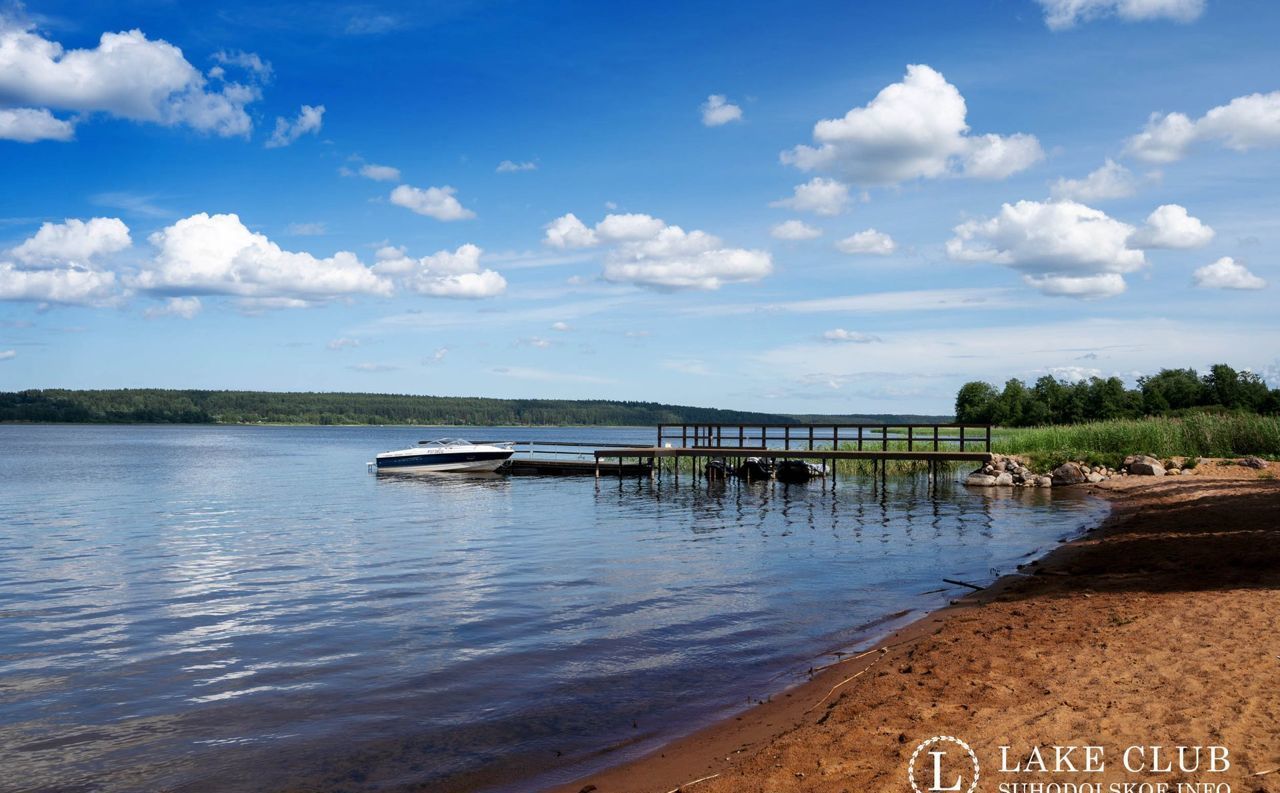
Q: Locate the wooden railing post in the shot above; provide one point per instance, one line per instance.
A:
(988, 449)
(935, 437)
(961, 437)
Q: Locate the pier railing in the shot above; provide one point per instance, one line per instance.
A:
(834, 437)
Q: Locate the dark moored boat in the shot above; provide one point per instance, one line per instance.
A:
(756, 468)
(796, 471)
(719, 469)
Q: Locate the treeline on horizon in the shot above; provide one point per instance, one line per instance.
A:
(1171, 392)
(165, 406)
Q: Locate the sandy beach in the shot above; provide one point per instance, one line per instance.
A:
(1160, 628)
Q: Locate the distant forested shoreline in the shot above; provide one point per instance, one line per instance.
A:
(172, 406)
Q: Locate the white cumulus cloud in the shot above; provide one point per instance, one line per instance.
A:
(217, 254)
(718, 110)
(8, 355)
(1112, 180)
(567, 231)
(795, 230)
(818, 195)
(1063, 14)
(1244, 123)
(58, 263)
(184, 307)
(434, 202)
(1169, 226)
(911, 130)
(28, 125)
(872, 242)
(126, 75)
(70, 286)
(1227, 273)
(308, 122)
(455, 274)
(644, 250)
(72, 241)
(1061, 247)
(1085, 287)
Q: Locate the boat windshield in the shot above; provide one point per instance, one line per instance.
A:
(446, 442)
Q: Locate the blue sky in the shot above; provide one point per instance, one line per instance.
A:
(840, 208)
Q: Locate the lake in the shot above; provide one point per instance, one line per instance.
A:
(247, 608)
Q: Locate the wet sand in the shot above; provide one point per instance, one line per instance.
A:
(1162, 627)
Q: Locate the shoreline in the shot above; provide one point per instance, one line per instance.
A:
(818, 734)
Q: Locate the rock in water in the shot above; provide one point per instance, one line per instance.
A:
(1068, 474)
(1004, 479)
(980, 480)
(1044, 481)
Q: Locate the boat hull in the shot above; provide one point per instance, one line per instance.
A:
(444, 463)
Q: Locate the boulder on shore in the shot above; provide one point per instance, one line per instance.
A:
(1068, 474)
(1254, 462)
(1147, 469)
(1004, 478)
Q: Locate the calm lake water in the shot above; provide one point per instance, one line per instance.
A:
(247, 608)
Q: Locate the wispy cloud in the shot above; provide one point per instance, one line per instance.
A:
(507, 166)
(529, 373)
(136, 204)
(875, 303)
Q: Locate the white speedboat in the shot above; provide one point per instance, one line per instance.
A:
(444, 456)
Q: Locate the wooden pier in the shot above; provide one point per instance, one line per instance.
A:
(563, 458)
(824, 443)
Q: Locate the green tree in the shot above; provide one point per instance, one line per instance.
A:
(975, 403)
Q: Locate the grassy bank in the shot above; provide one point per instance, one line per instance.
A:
(1108, 442)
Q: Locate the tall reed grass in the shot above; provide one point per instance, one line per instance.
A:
(1196, 435)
